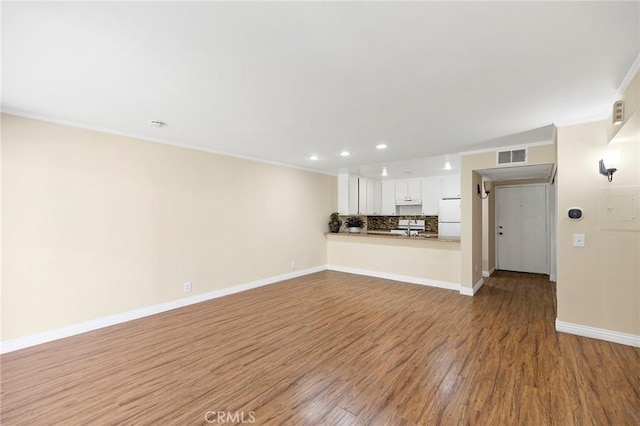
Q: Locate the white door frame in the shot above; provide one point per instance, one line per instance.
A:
(495, 213)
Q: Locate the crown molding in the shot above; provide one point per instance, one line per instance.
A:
(47, 119)
(628, 78)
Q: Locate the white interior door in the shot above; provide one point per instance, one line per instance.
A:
(521, 234)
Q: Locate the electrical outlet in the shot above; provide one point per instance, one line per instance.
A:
(187, 287)
(293, 264)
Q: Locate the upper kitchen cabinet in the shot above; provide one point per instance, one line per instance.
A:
(431, 195)
(354, 194)
(450, 186)
(409, 189)
(377, 202)
(362, 196)
(357, 195)
(388, 199)
(369, 196)
(348, 194)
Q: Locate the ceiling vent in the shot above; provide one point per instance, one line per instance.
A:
(511, 157)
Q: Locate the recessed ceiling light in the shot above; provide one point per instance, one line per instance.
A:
(384, 171)
(157, 123)
(381, 146)
(313, 157)
(447, 165)
(345, 153)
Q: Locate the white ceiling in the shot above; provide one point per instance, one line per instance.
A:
(281, 81)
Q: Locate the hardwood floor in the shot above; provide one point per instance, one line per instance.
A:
(337, 349)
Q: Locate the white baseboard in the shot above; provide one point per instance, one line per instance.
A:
(72, 330)
(472, 291)
(404, 278)
(598, 333)
(487, 274)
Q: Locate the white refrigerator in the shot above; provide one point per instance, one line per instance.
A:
(449, 218)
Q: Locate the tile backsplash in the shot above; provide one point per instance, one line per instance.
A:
(387, 223)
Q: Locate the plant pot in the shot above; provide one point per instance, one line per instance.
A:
(334, 227)
(355, 230)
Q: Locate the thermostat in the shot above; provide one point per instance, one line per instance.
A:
(575, 213)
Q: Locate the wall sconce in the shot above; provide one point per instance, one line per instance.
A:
(618, 113)
(607, 172)
(486, 193)
(612, 158)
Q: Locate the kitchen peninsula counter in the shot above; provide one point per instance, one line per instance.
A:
(428, 261)
(387, 234)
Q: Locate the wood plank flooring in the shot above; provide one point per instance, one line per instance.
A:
(335, 349)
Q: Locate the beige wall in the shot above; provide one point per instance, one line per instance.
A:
(96, 224)
(474, 253)
(599, 284)
(429, 260)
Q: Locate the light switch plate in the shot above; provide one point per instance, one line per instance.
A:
(578, 240)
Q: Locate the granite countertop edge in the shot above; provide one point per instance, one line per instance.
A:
(387, 234)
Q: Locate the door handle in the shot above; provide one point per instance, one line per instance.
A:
(499, 233)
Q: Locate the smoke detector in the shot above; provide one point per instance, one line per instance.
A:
(157, 123)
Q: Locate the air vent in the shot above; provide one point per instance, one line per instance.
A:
(515, 156)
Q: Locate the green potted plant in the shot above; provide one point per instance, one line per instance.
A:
(334, 222)
(354, 223)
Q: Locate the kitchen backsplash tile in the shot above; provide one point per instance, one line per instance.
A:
(387, 223)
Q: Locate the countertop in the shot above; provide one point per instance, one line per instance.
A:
(386, 234)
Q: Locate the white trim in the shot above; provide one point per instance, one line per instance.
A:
(598, 333)
(156, 140)
(72, 330)
(495, 212)
(472, 291)
(487, 274)
(627, 79)
(403, 278)
(507, 148)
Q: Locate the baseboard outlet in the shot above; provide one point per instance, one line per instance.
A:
(72, 330)
(472, 291)
(487, 274)
(598, 333)
(403, 278)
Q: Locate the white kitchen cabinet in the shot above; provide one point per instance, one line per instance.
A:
(371, 197)
(451, 186)
(343, 193)
(353, 195)
(408, 189)
(362, 196)
(366, 196)
(377, 194)
(388, 199)
(400, 188)
(359, 196)
(347, 194)
(431, 195)
(414, 188)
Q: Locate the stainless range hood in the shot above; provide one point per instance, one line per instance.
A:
(409, 202)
